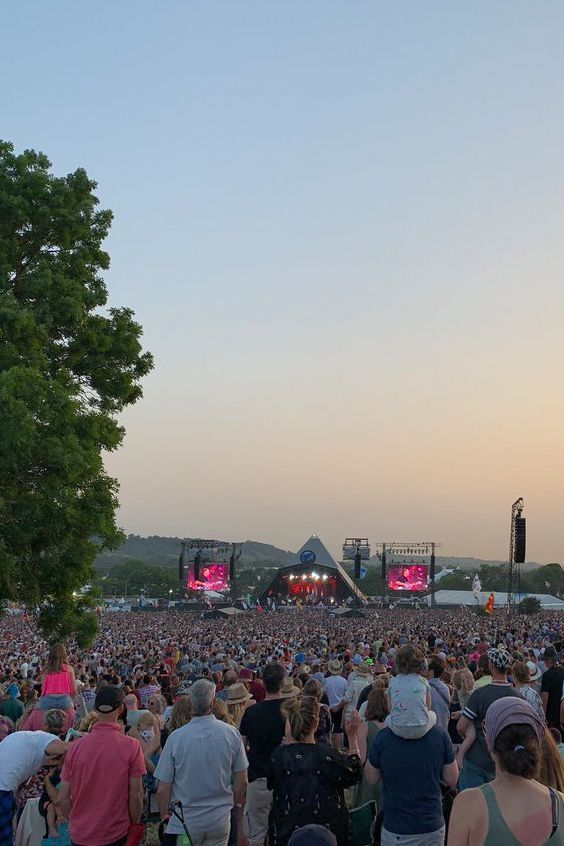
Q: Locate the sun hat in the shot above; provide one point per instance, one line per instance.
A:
(510, 711)
(363, 668)
(534, 672)
(289, 690)
(237, 693)
(335, 667)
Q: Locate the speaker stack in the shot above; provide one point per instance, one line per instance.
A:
(520, 540)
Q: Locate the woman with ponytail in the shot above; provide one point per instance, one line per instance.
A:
(308, 779)
(514, 809)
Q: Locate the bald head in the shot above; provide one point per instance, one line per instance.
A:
(130, 702)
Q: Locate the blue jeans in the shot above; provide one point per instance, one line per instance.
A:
(55, 700)
(473, 776)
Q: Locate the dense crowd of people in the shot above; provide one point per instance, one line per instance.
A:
(290, 727)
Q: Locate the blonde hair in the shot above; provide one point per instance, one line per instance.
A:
(88, 721)
(148, 720)
(466, 680)
(181, 714)
(236, 711)
(383, 680)
(220, 712)
(302, 714)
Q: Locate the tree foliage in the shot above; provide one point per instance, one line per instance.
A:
(68, 366)
(135, 577)
(530, 605)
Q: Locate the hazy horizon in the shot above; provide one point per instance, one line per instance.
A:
(340, 227)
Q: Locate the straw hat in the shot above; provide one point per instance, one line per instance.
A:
(335, 667)
(289, 690)
(363, 668)
(237, 694)
(534, 672)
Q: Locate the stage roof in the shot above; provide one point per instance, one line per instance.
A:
(313, 553)
(315, 545)
(466, 597)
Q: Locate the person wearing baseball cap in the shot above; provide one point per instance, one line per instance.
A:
(474, 759)
(101, 791)
(514, 808)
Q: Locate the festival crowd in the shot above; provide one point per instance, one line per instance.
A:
(289, 728)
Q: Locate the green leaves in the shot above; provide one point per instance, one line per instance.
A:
(66, 369)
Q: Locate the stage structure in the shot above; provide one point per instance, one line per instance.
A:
(405, 568)
(207, 565)
(517, 548)
(357, 550)
(312, 577)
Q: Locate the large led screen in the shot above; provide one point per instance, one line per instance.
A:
(408, 577)
(213, 576)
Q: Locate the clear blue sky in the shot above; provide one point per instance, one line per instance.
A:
(340, 224)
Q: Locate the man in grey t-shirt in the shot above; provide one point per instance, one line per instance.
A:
(196, 768)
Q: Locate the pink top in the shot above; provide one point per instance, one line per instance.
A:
(58, 684)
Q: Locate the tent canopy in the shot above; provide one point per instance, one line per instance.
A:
(466, 597)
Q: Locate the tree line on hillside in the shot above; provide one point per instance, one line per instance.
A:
(134, 577)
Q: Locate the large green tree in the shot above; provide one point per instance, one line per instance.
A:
(68, 366)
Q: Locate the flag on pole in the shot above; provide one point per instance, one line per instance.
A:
(489, 609)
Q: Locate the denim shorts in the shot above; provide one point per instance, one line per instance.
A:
(55, 700)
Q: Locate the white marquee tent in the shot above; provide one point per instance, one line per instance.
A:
(455, 598)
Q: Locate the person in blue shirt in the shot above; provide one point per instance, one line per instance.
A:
(411, 772)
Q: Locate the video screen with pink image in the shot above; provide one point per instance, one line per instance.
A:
(213, 576)
(408, 577)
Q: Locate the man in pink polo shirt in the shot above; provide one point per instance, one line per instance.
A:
(101, 790)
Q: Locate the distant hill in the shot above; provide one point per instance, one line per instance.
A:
(164, 551)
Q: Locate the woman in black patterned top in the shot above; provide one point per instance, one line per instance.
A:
(308, 779)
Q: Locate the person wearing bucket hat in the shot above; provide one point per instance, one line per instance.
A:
(289, 689)
(522, 681)
(477, 766)
(238, 700)
(514, 808)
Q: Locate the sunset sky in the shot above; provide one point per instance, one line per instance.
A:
(341, 226)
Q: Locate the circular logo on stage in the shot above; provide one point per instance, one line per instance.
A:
(307, 557)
